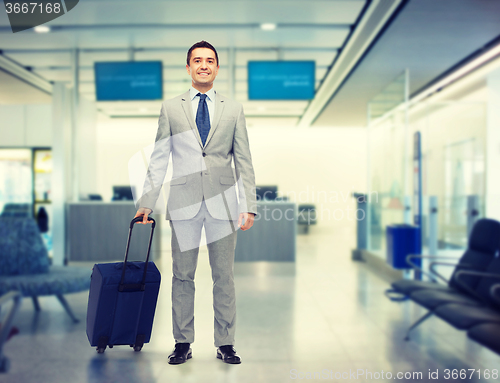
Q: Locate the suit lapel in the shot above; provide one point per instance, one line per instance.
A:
(186, 105)
(219, 108)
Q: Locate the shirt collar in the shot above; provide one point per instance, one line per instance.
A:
(210, 94)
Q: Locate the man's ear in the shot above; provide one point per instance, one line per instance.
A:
(188, 69)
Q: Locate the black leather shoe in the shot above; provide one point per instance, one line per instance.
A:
(228, 354)
(182, 352)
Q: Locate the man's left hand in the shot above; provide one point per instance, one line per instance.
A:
(248, 218)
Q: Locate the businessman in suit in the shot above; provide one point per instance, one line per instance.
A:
(204, 132)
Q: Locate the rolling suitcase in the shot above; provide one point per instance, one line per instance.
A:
(122, 300)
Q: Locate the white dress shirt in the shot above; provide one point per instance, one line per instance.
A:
(210, 102)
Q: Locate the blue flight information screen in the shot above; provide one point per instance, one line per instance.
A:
(281, 80)
(128, 80)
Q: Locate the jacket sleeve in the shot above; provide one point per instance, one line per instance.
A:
(243, 166)
(158, 163)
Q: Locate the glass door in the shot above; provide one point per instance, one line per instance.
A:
(16, 182)
(464, 177)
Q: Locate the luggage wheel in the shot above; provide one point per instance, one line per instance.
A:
(101, 344)
(136, 348)
(100, 350)
(139, 342)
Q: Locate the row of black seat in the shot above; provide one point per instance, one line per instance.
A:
(470, 300)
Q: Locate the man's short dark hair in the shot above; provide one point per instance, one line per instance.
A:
(202, 44)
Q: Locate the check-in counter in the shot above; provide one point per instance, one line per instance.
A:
(273, 235)
(97, 231)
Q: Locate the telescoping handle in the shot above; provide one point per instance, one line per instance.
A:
(136, 286)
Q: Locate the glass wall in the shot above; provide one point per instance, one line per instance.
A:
(387, 154)
(387, 178)
(453, 162)
(25, 187)
(453, 168)
(16, 179)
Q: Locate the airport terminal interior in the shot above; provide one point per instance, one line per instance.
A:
(374, 132)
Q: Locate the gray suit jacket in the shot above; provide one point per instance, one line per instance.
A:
(201, 172)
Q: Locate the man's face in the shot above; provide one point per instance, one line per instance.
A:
(202, 67)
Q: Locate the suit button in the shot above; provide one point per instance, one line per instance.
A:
(204, 154)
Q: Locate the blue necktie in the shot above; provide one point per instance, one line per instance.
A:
(203, 118)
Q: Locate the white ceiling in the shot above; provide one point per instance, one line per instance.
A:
(14, 91)
(106, 30)
(428, 37)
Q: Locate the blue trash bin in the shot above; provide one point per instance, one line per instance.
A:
(403, 239)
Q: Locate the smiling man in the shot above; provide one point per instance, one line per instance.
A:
(204, 131)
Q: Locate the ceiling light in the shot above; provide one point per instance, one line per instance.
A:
(143, 110)
(268, 26)
(41, 29)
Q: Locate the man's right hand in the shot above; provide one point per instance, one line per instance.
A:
(143, 212)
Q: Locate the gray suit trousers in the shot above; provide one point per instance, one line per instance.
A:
(221, 243)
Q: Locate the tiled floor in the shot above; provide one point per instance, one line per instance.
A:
(325, 315)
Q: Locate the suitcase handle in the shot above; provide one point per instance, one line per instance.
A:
(140, 219)
(142, 285)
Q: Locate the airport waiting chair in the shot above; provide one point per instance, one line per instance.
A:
(487, 307)
(468, 308)
(478, 313)
(466, 288)
(482, 246)
(25, 265)
(482, 322)
(17, 210)
(487, 334)
(480, 257)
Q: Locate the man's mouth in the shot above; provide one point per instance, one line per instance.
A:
(203, 74)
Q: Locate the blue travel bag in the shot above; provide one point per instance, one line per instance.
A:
(122, 300)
